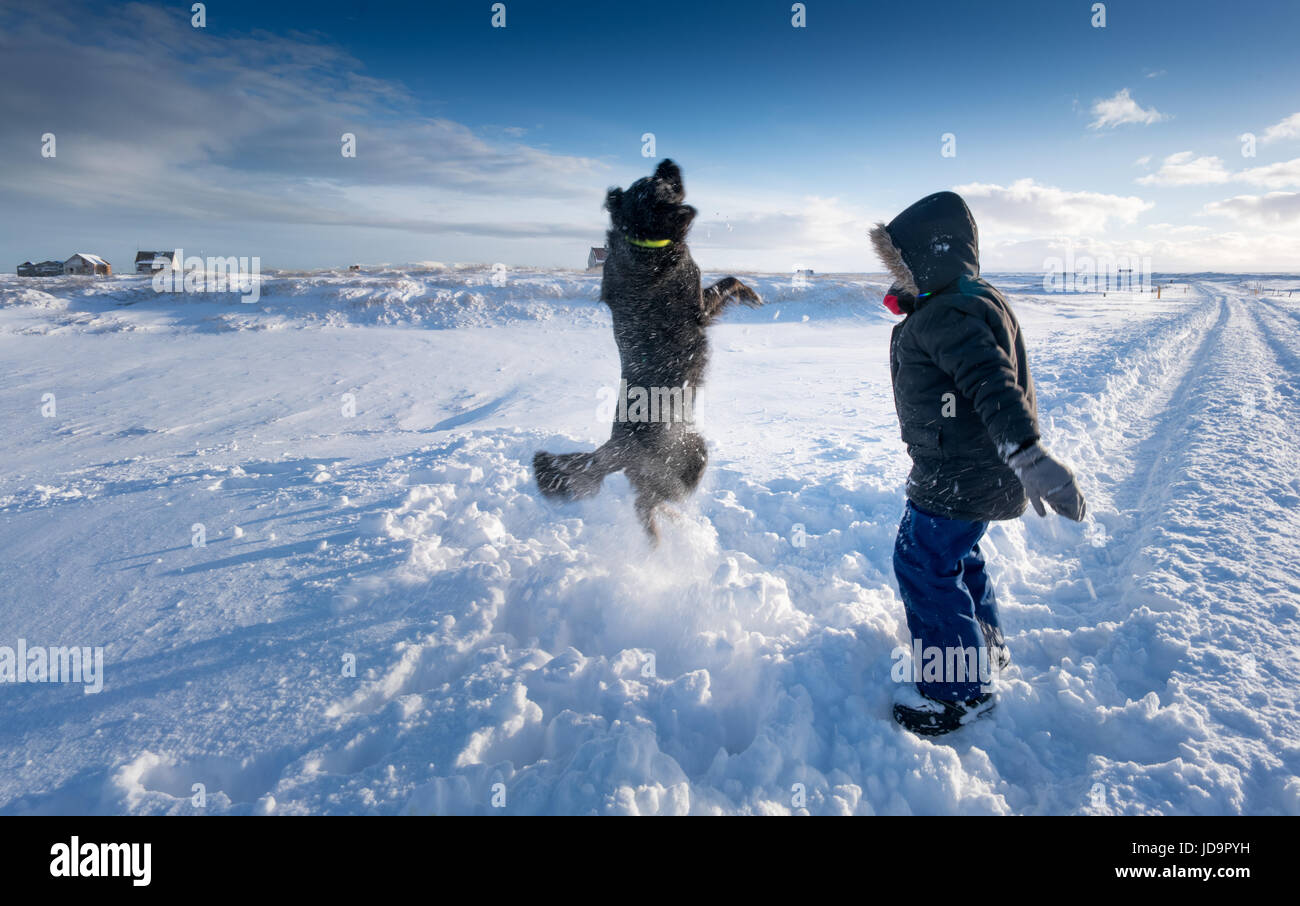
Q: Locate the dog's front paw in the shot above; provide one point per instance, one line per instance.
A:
(745, 295)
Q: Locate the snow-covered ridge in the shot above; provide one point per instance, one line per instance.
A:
(427, 296)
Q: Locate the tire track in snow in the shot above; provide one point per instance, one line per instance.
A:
(1156, 439)
(1062, 709)
(1204, 598)
(1100, 428)
(1281, 331)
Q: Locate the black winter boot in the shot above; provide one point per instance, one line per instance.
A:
(926, 716)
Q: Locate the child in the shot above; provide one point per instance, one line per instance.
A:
(966, 407)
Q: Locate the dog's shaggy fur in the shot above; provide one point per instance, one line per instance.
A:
(660, 315)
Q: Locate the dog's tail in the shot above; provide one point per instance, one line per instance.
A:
(574, 476)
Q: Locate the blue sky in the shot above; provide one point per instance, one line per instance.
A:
(489, 144)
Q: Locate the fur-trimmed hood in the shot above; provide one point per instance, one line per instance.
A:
(930, 245)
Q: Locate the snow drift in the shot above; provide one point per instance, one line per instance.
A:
(384, 615)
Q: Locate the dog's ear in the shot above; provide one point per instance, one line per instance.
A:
(682, 218)
(613, 200)
(668, 179)
(668, 170)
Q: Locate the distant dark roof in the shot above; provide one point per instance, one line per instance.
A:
(149, 256)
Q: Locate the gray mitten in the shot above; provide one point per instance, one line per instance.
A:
(1048, 479)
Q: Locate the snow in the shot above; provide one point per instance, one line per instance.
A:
(355, 449)
(90, 259)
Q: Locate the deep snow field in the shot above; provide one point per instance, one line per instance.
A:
(514, 656)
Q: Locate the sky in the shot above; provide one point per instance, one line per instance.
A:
(483, 144)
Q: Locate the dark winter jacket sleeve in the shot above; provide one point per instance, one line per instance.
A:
(964, 346)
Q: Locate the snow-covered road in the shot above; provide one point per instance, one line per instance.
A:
(356, 452)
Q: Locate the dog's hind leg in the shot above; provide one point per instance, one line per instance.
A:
(653, 482)
(667, 472)
(647, 502)
(575, 476)
(689, 459)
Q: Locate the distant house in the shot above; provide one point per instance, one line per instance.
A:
(82, 264)
(354, 267)
(148, 262)
(596, 257)
(43, 269)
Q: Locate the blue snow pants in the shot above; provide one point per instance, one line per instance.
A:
(946, 592)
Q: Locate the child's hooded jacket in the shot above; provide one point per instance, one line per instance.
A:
(962, 387)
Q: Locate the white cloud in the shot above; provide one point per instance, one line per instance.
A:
(272, 158)
(1260, 211)
(1185, 169)
(774, 233)
(1142, 161)
(1173, 229)
(1273, 176)
(251, 137)
(1120, 109)
(1227, 252)
(1025, 206)
(1287, 128)
(1024, 224)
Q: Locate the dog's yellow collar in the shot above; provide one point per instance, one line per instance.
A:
(649, 243)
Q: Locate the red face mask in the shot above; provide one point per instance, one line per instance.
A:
(891, 302)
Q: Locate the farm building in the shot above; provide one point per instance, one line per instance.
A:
(596, 257)
(82, 264)
(43, 269)
(148, 262)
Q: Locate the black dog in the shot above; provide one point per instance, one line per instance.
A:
(660, 312)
